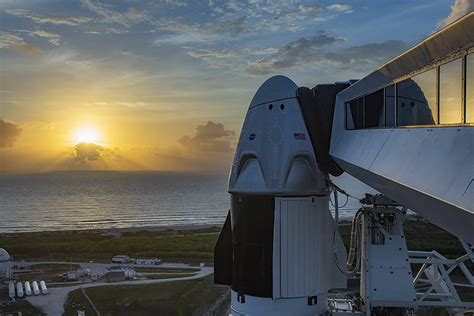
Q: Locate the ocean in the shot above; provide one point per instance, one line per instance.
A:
(77, 200)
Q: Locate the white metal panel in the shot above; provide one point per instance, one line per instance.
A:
(385, 268)
(336, 279)
(303, 251)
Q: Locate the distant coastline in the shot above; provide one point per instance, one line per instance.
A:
(119, 231)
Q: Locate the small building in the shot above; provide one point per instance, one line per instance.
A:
(76, 275)
(120, 274)
(115, 276)
(120, 259)
(5, 265)
(148, 261)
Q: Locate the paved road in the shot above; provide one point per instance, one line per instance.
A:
(53, 303)
(101, 268)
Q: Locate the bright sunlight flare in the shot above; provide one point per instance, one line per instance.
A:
(86, 134)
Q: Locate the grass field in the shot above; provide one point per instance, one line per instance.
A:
(192, 246)
(22, 306)
(97, 247)
(173, 298)
(165, 270)
(46, 272)
(157, 276)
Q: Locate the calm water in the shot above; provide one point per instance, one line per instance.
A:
(98, 200)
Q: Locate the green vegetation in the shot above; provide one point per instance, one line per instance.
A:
(190, 246)
(423, 236)
(76, 302)
(159, 276)
(165, 270)
(22, 306)
(46, 272)
(172, 298)
(420, 235)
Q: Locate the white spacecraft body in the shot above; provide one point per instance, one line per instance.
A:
(279, 211)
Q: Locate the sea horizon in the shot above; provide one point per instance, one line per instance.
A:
(105, 199)
(82, 200)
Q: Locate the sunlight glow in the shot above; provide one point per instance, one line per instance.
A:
(86, 134)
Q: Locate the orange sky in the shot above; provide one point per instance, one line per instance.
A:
(166, 85)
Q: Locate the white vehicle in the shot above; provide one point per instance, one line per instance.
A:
(36, 289)
(28, 291)
(148, 261)
(120, 259)
(43, 287)
(19, 290)
(11, 290)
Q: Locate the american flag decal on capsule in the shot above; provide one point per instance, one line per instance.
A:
(299, 136)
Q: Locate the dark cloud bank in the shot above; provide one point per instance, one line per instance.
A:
(212, 137)
(88, 152)
(8, 133)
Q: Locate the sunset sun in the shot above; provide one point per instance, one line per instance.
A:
(86, 134)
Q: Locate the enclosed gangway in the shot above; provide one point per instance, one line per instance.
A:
(425, 162)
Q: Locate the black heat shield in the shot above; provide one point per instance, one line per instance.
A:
(223, 255)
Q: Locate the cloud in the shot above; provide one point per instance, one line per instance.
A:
(342, 8)
(305, 45)
(188, 32)
(227, 27)
(176, 3)
(14, 41)
(266, 61)
(233, 19)
(131, 16)
(372, 53)
(55, 20)
(311, 53)
(212, 137)
(54, 39)
(459, 9)
(8, 133)
(88, 152)
(8, 40)
(316, 52)
(298, 52)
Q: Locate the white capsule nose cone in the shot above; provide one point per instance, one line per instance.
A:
(275, 155)
(275, 88)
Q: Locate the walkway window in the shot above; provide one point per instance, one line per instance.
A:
(373, 109)
(360, 113)
(450, 92)
(355, 114)
(416, 100)
(470, 88)
(351, 114)
(390, 106)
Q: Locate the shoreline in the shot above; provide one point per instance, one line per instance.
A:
(117, 231)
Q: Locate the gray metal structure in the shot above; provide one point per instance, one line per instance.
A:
(429, 169)
(280, 249)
